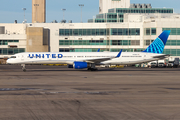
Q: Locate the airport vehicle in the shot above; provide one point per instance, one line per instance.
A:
(173, 62)
(161, 63)
(89, 60)
(154, 64)
(176, 62)
(170, 62)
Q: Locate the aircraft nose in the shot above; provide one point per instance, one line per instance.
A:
(8, 61)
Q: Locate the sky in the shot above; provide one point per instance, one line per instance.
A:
(11, 10)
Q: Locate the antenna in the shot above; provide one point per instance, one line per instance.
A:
(81, 5)
(24, 9)
(63, 12)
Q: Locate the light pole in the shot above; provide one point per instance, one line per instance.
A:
(81, 5)
(24, 9)
(63, 12)
(36, 5)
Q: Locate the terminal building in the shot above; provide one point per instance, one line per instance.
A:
(119, 25)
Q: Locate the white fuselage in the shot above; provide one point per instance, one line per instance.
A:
(71, 57)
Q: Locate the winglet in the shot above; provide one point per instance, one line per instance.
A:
(98, 50)
(119, 54)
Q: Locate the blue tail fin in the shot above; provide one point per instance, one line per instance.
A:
(98, 50)
(119, 54)
(157, 46)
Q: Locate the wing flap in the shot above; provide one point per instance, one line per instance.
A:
(161, 56)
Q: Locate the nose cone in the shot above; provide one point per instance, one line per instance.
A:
(8, 61)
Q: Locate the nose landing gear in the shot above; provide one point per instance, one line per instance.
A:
(23, 67)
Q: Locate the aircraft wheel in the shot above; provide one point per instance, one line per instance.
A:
(94, 69)
(89, 69)
(24, 70)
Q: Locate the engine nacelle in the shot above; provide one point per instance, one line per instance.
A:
(80, 65)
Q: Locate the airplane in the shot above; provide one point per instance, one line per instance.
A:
(89, 60)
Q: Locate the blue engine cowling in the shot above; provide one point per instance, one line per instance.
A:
(80, 65)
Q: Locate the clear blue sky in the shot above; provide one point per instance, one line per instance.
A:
(11, 10)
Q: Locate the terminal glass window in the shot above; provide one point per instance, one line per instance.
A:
(125, 42)
(81, 49)
(147, 31)
(83, 42)
(76, 32)
(143, 10)
(11, 51)
(124, 50)
(138, 50)
(153, 31)
(135, 42)
(61, 32)
(16, 40)
(5, 51)
(147, 42)
(10, 41)
(67, 32)
(16, 50)
(173, 52)
(178, 42)
(98, 32)
(21, 50)
(125, 31)
(5, 42)
(132, 32)
(93, 31)
(82, 32)
(174, 31)
(173, 43)
(150, 31)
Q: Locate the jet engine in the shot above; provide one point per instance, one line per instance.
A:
(80, 65)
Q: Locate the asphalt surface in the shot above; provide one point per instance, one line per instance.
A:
(60, 93)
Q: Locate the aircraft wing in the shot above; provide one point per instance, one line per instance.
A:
(89, 60)
(97, 60)
(102, 59)
(161, 56)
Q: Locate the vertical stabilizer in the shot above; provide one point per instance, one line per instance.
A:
(157, 46)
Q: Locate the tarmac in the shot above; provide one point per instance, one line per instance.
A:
(61, 93)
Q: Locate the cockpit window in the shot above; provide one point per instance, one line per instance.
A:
(13, 57)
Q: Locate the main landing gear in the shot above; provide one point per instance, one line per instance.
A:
(92, 67)
(23, 67)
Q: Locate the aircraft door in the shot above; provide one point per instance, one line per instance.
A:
(22, 58)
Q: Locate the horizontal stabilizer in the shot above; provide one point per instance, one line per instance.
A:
(161, 56)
